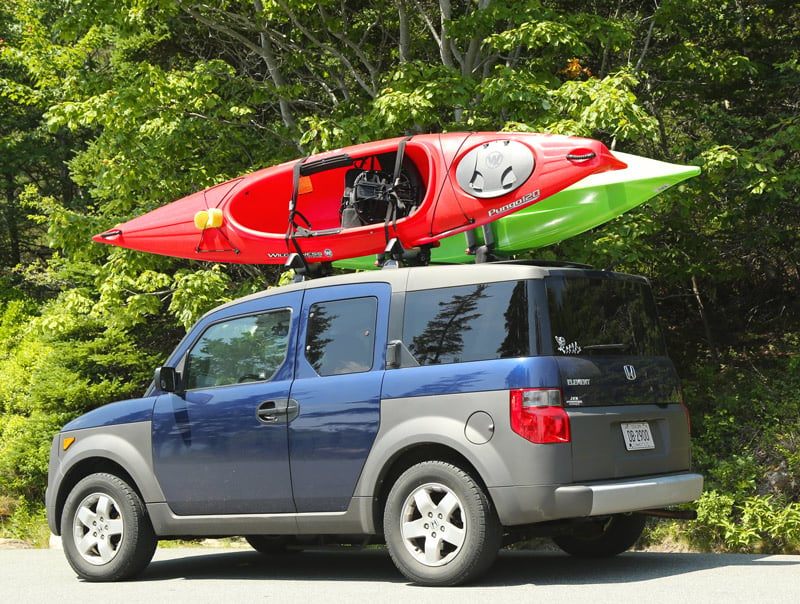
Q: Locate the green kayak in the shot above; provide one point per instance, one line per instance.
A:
(584, 205)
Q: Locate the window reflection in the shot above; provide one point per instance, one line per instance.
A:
(341, 336)
(244, 349)
(603, 316)
(469, 323)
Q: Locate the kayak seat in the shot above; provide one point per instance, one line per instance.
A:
(366, 197)
(348, 212)
(371, 197)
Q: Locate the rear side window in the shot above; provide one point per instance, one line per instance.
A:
(341, 335)
(593, 316)
(239, 350)
(468, 323)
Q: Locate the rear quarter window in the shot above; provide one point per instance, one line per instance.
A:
(468, 323)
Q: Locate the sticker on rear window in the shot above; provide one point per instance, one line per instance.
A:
(564, 348)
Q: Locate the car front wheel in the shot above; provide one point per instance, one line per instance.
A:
(440, 526)
(106, 533)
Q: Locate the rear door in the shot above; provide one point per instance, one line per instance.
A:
(339, 371)
(620, 388)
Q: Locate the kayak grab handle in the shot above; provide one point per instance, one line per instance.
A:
(326, 163)
(109, 234)
(582, 156)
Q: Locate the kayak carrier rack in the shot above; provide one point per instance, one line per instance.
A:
(395, 255)
(304, 270)
(483, 253)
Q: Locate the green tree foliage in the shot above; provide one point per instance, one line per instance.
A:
(111, 108)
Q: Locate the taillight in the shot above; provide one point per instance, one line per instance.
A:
(538, 415)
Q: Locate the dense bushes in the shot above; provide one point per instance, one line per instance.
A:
(745, 410)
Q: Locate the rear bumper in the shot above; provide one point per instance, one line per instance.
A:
(530, 504)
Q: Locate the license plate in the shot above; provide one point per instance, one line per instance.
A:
(637, 436)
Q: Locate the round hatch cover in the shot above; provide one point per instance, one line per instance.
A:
(495, 168)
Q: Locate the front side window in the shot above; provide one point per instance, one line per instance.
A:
(244, 349)
(341, 335)
(468, 323)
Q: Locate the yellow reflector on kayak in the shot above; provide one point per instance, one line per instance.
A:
(208, 219)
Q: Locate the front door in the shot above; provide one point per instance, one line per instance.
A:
(221, 446)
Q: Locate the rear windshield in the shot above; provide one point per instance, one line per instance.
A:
(601, 316)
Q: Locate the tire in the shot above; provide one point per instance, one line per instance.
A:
(439, 525)
(107, 535)
(603, 538)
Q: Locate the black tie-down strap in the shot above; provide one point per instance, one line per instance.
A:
(293, 213)
(392, 200)
(304, 167)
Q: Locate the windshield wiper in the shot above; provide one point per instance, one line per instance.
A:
(605, 347)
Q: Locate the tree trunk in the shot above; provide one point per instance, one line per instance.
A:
(13, 255)
(703, 317)
(272, 67)
(404, 46)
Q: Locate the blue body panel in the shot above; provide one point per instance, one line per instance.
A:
(339, 414)
(211, 454)
(478, 376)
(121, 412)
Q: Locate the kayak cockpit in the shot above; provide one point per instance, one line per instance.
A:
(328, 195)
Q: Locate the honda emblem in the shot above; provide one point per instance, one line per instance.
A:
(630, 372)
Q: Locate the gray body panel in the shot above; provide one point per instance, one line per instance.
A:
(125, 445)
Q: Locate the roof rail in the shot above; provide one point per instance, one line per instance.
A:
(545, 263)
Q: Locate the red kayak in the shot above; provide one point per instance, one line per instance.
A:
(352, 201)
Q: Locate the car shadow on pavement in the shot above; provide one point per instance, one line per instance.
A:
(511, 568)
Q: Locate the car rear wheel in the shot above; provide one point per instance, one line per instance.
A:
(439, 525)
(603, 538)
(106, 533)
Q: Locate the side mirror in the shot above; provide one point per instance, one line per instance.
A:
(167, 379)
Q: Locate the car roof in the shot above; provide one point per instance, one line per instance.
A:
(436, 276)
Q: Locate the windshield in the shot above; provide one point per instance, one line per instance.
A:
(602, 315)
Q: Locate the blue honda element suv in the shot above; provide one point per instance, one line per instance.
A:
(443, 411)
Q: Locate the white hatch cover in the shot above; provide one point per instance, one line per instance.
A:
(495, 168)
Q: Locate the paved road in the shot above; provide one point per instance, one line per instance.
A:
(235, 575)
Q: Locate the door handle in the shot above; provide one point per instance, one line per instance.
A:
(270, 412)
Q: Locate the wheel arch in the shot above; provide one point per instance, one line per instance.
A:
(123, 451)
(410, 456)
(82, 469)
